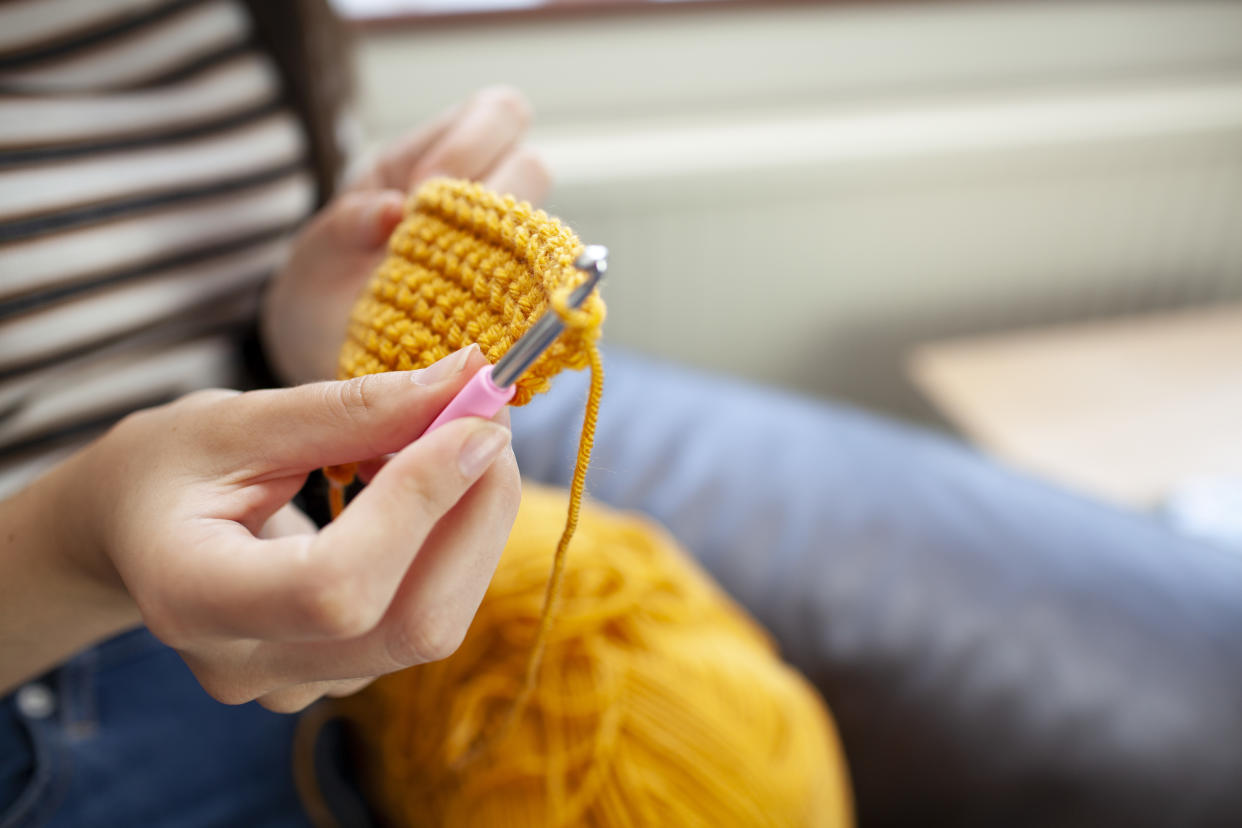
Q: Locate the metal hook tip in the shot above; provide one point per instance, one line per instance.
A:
(594, 258)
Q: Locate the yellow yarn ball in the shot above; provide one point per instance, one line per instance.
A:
(659, 703)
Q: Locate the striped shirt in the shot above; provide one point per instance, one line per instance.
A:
(150, 174)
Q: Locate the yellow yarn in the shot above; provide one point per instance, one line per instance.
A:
(648, 698)
(660, 703)
(469, 266)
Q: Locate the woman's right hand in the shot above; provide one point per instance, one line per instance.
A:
(189, 515)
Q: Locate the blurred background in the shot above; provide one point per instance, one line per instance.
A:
(951, 212)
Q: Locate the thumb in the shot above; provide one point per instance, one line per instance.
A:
(330, 423)
(366, 218)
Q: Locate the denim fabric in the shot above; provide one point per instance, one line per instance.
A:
(132, 740)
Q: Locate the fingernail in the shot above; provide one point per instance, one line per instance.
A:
(375, 222)
(482, 448)
(445, 368)
(368, 221)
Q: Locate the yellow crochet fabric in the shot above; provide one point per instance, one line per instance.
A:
(465, 266)
(660, 702)
(469, 266)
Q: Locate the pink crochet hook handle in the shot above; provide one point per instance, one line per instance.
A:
(491, 388)
(480, 397)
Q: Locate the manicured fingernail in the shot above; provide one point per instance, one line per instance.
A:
(482, 448)
(445, 368)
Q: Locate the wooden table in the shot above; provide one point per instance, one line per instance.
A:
(1126, 409)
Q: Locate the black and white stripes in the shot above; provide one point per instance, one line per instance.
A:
(150, 171)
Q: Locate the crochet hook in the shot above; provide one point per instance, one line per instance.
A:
(494, 385)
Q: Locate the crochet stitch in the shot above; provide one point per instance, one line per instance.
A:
(470, 266)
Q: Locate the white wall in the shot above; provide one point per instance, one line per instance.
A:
(799, 193)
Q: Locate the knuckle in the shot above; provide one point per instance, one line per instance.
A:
(355, 399)
(140, 424)
(223, 689)
(199, 406)
(534, 164)
(341, 689)
(511, 102)
(192, 412)
(455, 160)
(161, 623)
(429, 498)
(134, 422)
(345, 205)
(432, 636)
(290, 701)
(341, 217)
(333, 605)
(533, 169)
(172, 414)
(164, 609)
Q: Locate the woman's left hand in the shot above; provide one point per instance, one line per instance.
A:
(307, 307)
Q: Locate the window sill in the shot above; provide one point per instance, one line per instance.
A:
(382, 14)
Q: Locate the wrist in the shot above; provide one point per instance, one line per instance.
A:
(73, 503)
(53, 603)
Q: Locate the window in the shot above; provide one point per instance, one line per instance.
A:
(378, 10)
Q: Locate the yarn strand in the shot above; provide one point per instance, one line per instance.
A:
(577, 490)
(339, 478)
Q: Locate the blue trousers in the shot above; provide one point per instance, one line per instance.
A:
(991, 646)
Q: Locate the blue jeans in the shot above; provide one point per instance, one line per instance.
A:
(125, 736)
(994, 649)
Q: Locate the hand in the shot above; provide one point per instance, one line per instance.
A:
(190, 501)
(307, 308)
